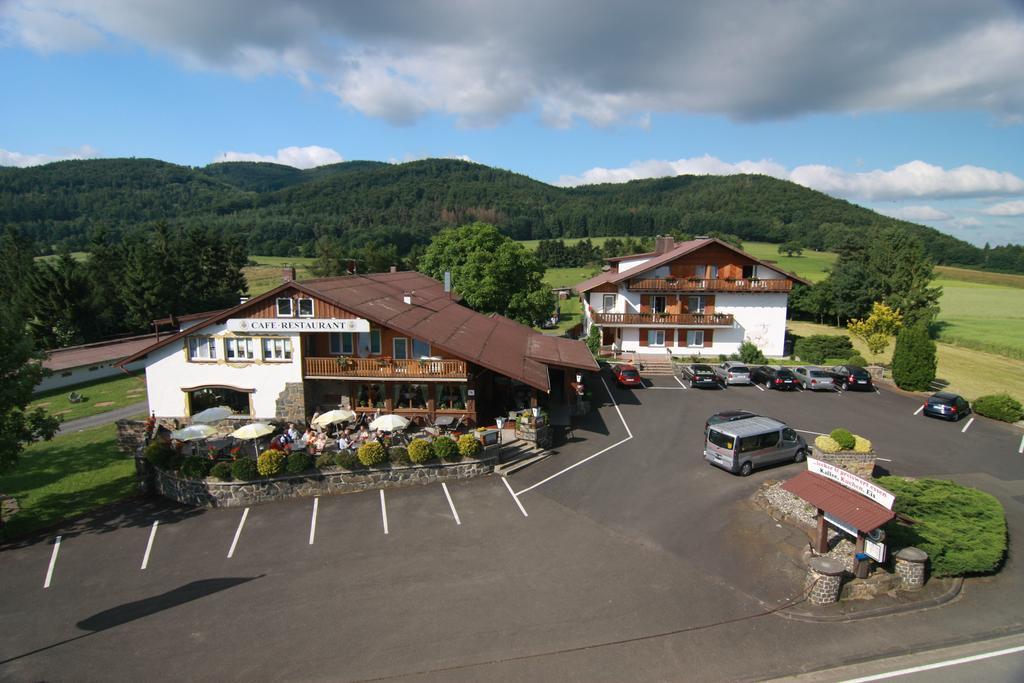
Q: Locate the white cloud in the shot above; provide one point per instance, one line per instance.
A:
(1015, 208)
(917, 213)
(21, 160)
(299, 157)
(481, 60)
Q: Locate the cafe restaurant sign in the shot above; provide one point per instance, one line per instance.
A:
(852, 482)
(293, 325)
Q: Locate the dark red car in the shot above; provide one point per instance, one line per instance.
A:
(627, 376)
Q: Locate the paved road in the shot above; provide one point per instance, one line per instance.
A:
(104, 418)
(641, 562)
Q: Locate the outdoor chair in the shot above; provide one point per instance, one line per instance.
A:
(75, 397)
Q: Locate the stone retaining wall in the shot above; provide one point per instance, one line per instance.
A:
(131, 435)
(213, 493)
(860, 464)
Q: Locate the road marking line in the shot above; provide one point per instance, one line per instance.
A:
(680, 381)
(149, 544)
(969, 423)
(384, 511)
(937, 665)
(884, 459)
(238, 532)
(759, 386)
(53, 561)
(668, 388)
(312, 522)
(807, 431)
(451, 504)
(514, 496)
(1021, 449)
(918, 411)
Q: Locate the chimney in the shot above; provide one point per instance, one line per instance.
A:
(394, 269)
(663, 244)
(288, 274)
(407, 297)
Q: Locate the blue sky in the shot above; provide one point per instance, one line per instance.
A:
(915, 110)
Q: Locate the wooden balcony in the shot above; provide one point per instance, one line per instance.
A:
(373, 368)
(708, 285)
(665, 319)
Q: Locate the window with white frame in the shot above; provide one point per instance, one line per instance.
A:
(695, 304)
(607, 303)
(655, 337)
(277, 348)
(658, 304)
(342, 343)
(202, 348)
(239, 349)
(695, 337)
(749, 271)
(284, 308)
(305, 308)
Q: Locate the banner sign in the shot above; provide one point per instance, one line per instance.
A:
(852, 482)
(293, 325)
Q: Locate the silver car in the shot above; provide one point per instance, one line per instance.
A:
(734, 372)
(815, 379)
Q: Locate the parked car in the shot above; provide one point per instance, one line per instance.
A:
(774, 378)
(947, 406)
(743, 445)
(727, 416)
(734, 372)
(701, 375)
(627, 376)
(815, 379)
(852, 377)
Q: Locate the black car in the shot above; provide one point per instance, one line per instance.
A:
(947, 406)
(701, 375)
(727, 416)
(774, 378)
(852, 377)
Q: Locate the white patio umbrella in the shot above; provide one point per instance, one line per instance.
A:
(333, 417)
(193, 433)
(253, 431)
(390, 423)
(212, 414)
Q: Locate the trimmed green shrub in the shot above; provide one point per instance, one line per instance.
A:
(844, 438)
(857, 359)
(398, 455)
(221, 471)
(270, 463)
(347, 459)
(324, 460)
(161, 454)
(913, 359)
(469, 447)
(420, 451)
(861, 445)
(819, 347)
(750, 354)
(244, 469)
(826, 444)
(298, 462)
(195, 467)
(594, 339)
(999, 407)
(963, 530)
(372, 453)
(446, 448)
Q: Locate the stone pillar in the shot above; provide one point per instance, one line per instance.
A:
(824, 579)
(291, 402)
(910, 568)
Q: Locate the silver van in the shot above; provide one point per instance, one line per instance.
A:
(742, 445)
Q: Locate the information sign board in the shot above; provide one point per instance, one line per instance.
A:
(852, 482)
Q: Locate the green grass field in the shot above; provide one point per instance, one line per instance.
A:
(101, 396)
(811, 265)
(67, 477)
(266, 274)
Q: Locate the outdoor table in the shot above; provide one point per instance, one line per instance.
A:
(444, 421)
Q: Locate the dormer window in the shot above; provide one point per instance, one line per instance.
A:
(284, 308)
(305, 308)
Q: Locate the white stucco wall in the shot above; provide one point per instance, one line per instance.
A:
(168, 370)
(73, 376)
(632, 263)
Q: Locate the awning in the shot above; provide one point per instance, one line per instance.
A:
(839, 501)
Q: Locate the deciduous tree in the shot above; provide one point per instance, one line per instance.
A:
(878, 328)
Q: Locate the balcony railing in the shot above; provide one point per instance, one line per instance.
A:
(344, 366)
(708, 285)
(691, 319)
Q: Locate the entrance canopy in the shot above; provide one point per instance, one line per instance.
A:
(839, 501)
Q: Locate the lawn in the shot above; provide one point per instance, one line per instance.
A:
(266, 274)
(811, 265)
(598, 241)
(982, 316)
(101, 396)
(67, 477)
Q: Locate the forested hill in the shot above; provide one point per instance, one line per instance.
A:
(280, 210)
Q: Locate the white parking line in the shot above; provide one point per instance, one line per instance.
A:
(759, 386)
(937, 665)
(312, 522)
(384, 511)
(149, 544)
(969, 423)
(238, 532)
(807, 431)
(53, 561)
(918, 411)
(514, 496)
(669, 388)
(884, 459)
(447, 495)
(1021, 449)
(680, 381)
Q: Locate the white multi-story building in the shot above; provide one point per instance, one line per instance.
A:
(702, 297)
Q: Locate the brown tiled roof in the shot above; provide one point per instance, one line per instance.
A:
(187, 317)
(493, 342)
(99, 352)
(836, 499)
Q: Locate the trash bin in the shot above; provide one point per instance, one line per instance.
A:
(862, 566)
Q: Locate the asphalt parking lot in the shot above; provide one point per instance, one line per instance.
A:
(623, 556)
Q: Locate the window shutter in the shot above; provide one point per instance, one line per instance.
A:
(645, 303)
(709, 304)
(708, 338)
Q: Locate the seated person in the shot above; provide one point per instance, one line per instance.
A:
(292, 432)
(343, 441)
(319, 443)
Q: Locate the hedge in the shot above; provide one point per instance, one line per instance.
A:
(347, 459)
(163, 455)
(398, 455)
(221, 471)
(819, 347)
(999, 407)
(844, 438)
(244, 469)
(469, 447)
(298, 462)
(963, 530)
(324, 460)
(195, 467)
(270, 463)
(420, 451)
(446, 448)
(372, 453)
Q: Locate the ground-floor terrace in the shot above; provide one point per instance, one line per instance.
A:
(705, 334)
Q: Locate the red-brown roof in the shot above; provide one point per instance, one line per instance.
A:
(836, 499)
(98, 352)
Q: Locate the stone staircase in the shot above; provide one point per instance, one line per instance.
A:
(517, 454)
(660, 364)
